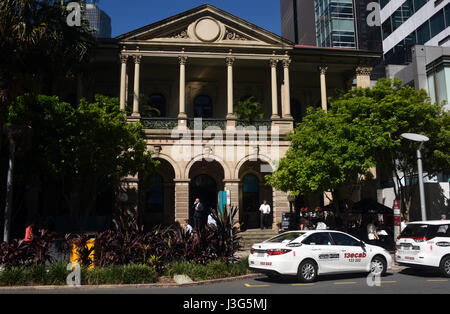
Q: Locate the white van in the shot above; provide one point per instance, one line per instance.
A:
(425, 244)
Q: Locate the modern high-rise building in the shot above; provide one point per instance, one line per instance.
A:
(332, 23)
(410, 22)
(98, 20)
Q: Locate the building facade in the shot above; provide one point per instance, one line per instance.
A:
(194, 68)
(99, 21)
(332, 23)
(411, 22)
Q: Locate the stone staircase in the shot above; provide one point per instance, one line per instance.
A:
(252, 236)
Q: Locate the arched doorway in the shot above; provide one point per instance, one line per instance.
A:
(206, 181)
(157, 196)
(204, 187)
(252, 192)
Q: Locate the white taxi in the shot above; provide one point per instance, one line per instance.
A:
(425, 244)
(308, 254)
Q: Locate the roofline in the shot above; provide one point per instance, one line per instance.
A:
(198, 8)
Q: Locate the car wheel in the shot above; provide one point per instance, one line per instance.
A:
(307, 271)
(445, 266)
(378, 266)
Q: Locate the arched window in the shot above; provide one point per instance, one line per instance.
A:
(154, 198)
(203, 107)
(250, 191)
(156, 106)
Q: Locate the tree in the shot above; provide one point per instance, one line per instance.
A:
(362, 129)
(387, 110)
(325, 154)
(79, 146)
(249, 109)
(38, 48)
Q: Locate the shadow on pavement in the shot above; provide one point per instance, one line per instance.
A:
(421, 272)
(323, 278)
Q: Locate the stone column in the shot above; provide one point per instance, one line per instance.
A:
(182, 97)
(123, 80)
(363, 76)
(233, 187)
(273, 70)
(230, 109)
(137, 63)
(323, 87)
(287, 92)
(280, 206)
(181, 200)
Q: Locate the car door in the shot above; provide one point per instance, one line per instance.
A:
(319, 246)
(352, 256)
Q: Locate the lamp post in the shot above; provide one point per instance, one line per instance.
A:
(421, 139)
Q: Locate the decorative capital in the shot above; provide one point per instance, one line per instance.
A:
(323, 70)
(229, 61)
(273, 63)
(363, 70)
(137, 59)
(286, 63)
(123, 58)
(182, 60)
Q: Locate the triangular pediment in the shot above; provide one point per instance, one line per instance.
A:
(205, 24)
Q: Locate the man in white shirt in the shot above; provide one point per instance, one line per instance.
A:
(403, 225)
(265, 212)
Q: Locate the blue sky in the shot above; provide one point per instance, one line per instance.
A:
(127, 15)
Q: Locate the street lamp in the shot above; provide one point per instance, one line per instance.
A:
(421, 139)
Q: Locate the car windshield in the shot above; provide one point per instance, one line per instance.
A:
(288, 236)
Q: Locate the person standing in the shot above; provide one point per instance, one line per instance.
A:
(29, 231)
(198, 214)
(403, 224)
(264, 210)
(187, 227)
(443, 217)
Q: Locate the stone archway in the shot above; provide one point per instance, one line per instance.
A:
(251, 196)
(157, 196)
(206, 179)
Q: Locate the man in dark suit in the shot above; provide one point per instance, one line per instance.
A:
(198, 214)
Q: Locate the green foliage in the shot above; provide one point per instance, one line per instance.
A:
(249, 109)
(79, 146)
(362, 129)
(212, 270)
(38, 48)
(56, 274)
(325, 153)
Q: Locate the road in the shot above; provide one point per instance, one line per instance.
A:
(404, 281)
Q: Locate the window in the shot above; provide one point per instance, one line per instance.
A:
(423, 33)
(289, 236)
(319, 238)
(418, 4)
(343, 239)
(387, 28)
(203, 107)
(437, 23)
(443, 231)
(397, 19)
(447, 15)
